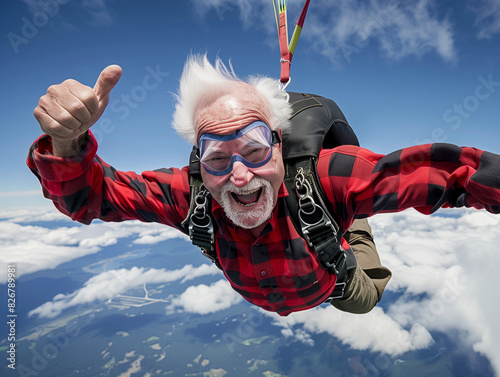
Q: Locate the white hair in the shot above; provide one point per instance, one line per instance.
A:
(201, 82)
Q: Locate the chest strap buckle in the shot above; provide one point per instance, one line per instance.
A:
(317, 228)
(201, 227)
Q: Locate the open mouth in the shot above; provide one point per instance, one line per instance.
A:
(248, 198)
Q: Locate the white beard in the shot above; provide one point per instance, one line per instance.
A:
(251, 217)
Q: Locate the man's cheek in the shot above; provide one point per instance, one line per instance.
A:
(216, 192)
(213, 183)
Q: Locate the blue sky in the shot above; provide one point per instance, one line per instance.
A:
(403, 72)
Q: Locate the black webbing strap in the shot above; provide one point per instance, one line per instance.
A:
(199, 222)
(314, 220)
(324, 125)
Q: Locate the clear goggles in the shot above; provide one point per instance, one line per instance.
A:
(252, 146)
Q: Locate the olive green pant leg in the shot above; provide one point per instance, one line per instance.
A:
(368, 281)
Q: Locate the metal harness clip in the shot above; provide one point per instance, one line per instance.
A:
(311, 216)
(317, 227)
(201, 228)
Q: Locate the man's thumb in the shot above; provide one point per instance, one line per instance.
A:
(107, 81)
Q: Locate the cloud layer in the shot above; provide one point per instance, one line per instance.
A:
(204, 299)
(110, 284)
(487, 17)
(35, 248)
(375, 331)
(341, 29)
(449, 261)
(444, 277)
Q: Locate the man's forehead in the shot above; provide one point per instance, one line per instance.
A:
(231, 111)
(239, 102)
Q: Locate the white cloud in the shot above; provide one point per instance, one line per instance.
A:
(249, 10)
(450, 261)
(98, 12)
(35, 248)
(375, 331)
(341, 29)
(23, 215)
(109, 284)
(202, 270)
(487, 17)
(414, 29)
(154, 234)
(204, 299)
(20, 193)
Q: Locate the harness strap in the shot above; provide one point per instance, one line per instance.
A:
(311, 214)
(308, 207)
(198, 222)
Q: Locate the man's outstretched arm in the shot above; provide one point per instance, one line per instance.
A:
(79, 182)
(361, 183)
(69, 109)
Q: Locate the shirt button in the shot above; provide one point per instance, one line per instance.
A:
(263, 273)
(257, 243)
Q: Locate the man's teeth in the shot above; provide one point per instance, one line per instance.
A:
(247, 198)
(247, 205)
(247, 192)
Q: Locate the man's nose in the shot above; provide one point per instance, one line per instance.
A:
(241, 175)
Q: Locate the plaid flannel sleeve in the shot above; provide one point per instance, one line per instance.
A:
(84, 187)
(361, 183)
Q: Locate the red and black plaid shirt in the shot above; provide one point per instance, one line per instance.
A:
(277, 271)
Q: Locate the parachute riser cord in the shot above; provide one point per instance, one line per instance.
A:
(287, 49)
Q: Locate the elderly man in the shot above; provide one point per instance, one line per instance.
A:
(238, 127)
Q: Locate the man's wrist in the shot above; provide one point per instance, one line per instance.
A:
(56, 168)
(69, 148)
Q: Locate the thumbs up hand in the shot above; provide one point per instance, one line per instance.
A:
(69, 109)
